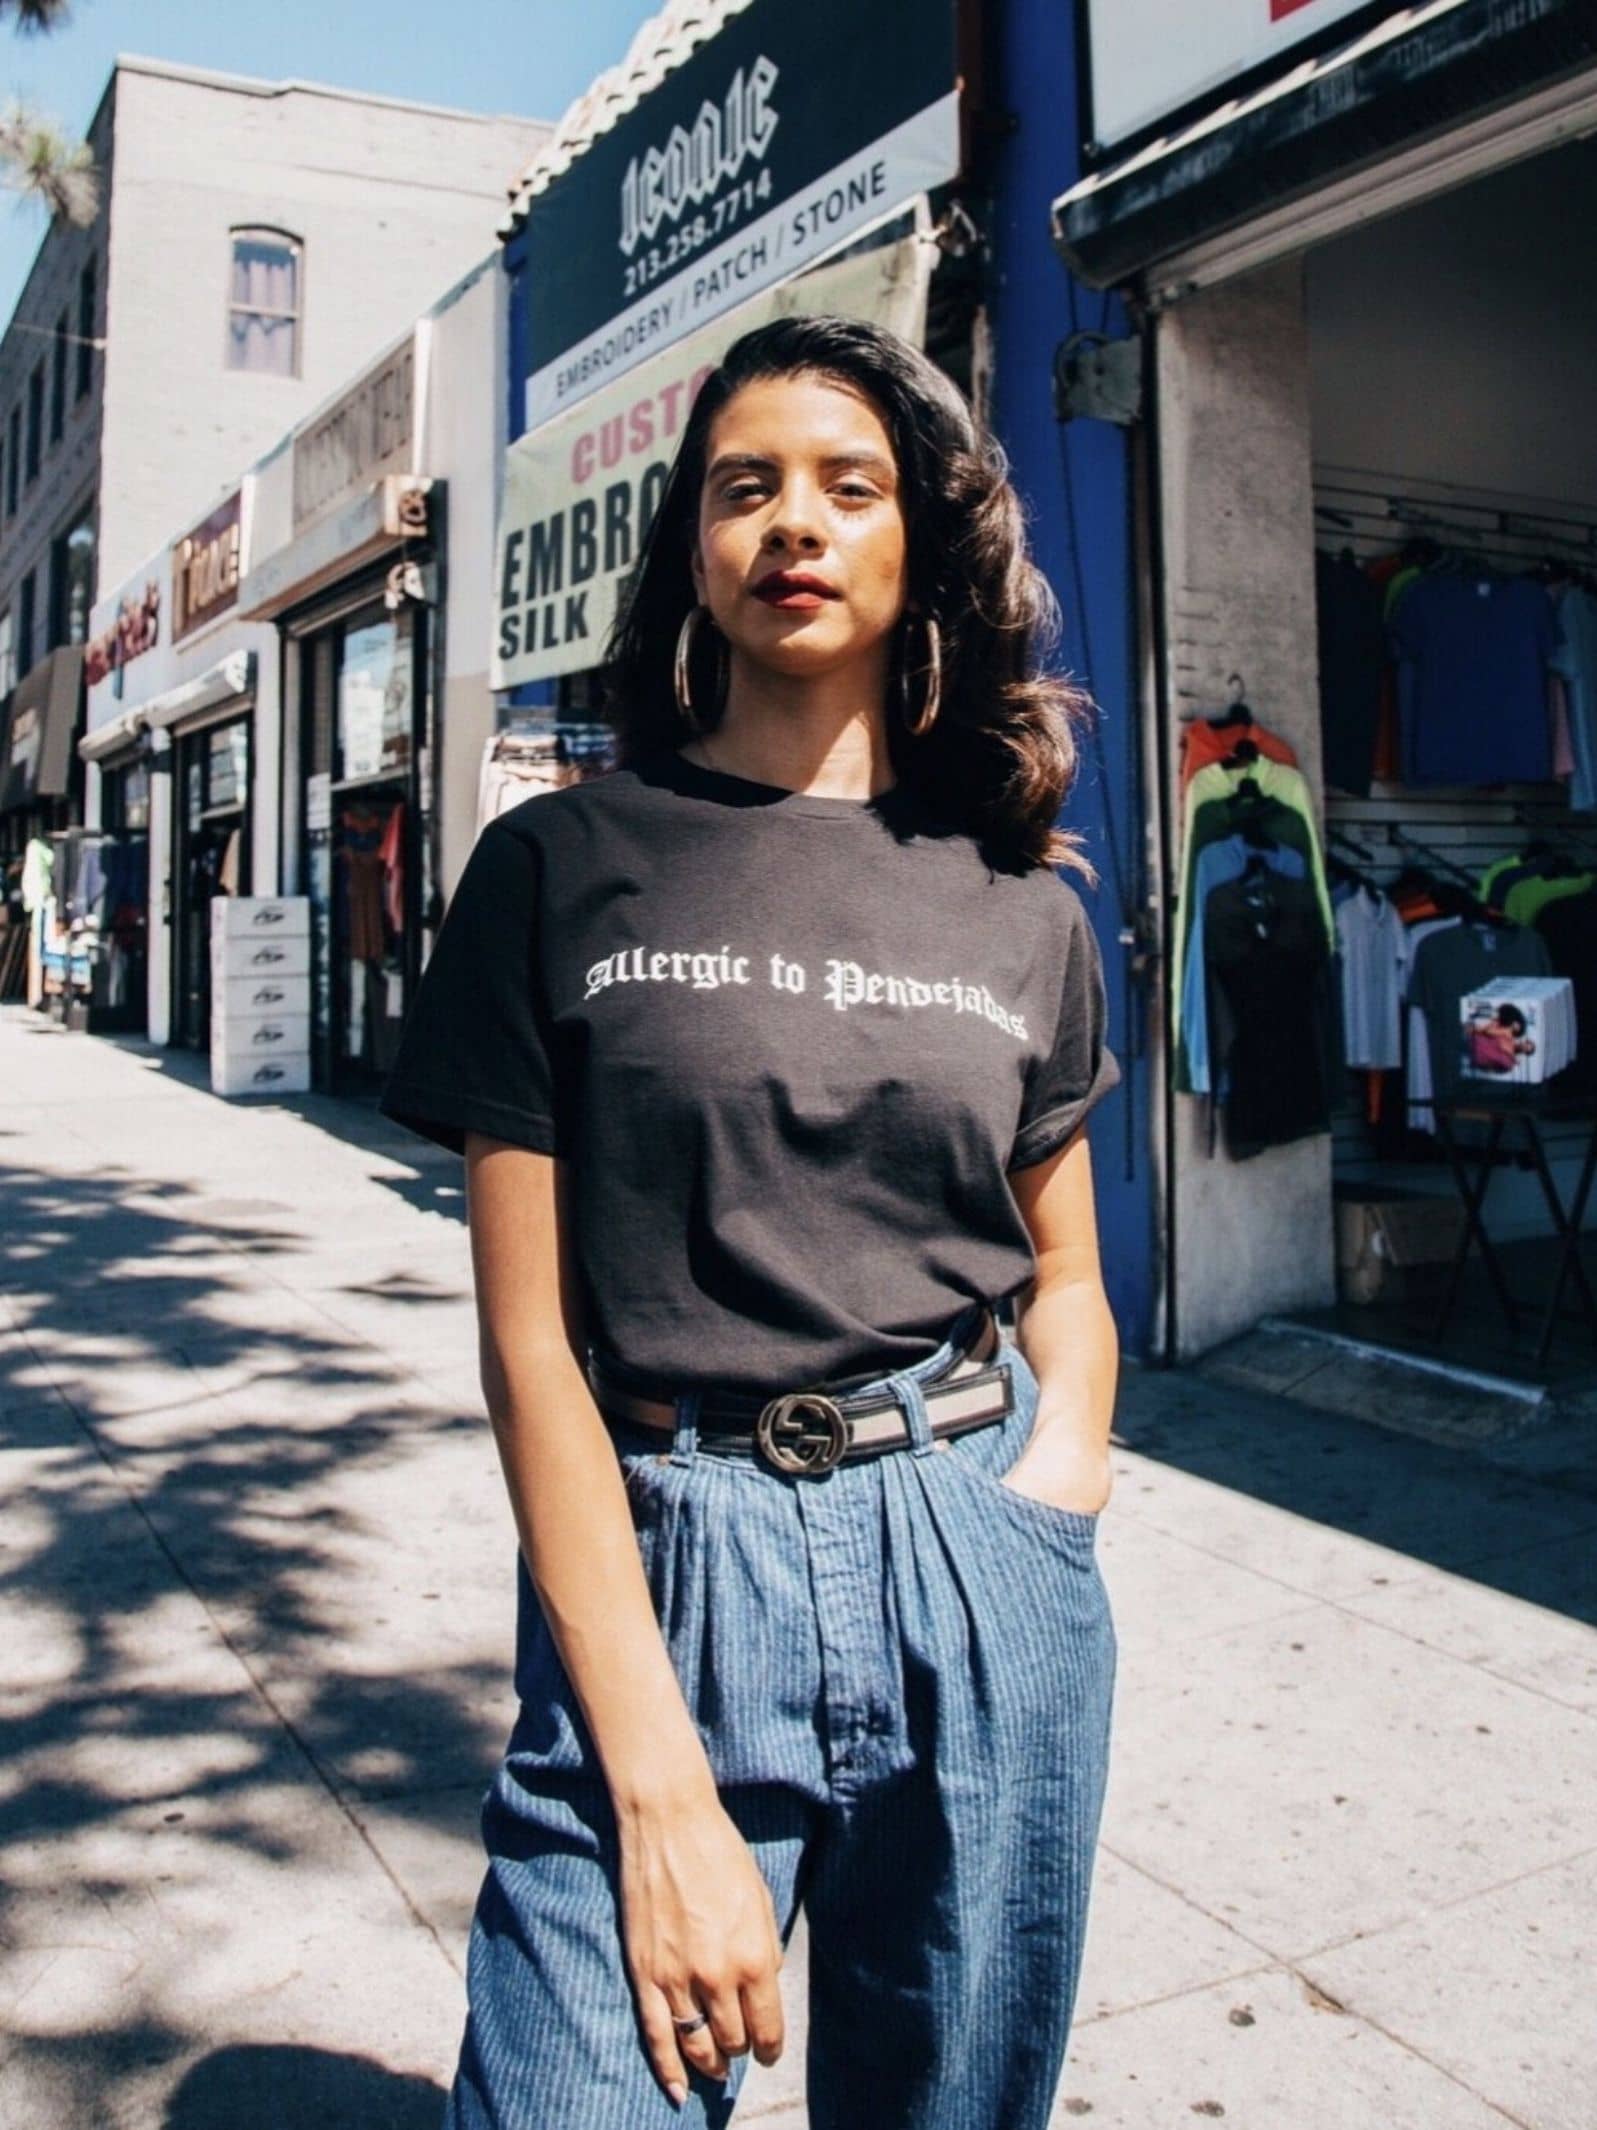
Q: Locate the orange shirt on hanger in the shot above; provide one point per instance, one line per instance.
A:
(1203, 744)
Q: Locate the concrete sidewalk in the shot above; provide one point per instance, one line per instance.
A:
(254, 1673)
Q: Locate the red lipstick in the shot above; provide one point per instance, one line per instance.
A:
(796, 589)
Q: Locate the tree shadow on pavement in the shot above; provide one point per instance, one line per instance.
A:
(243, 1570)
(288, 2088)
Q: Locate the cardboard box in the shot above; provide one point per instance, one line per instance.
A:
(1391, 1246)
(238, 998)
(260, 1035)
(1517, 1031)
(259, 916)
(241, 955)
(260, 1076)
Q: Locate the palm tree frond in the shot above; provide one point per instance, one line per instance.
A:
(37, 157)
(33, 17)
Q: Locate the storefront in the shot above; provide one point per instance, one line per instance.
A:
(345, 560)
(182, 744)
(41, 803)
(1364, 523)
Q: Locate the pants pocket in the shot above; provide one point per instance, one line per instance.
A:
(988, 1455)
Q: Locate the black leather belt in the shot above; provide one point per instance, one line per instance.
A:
(811, 1431)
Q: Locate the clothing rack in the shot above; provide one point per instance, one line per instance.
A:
(1373, 513)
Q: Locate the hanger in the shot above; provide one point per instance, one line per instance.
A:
(1236, 711)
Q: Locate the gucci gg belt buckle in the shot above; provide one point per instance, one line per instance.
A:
(803, 1431)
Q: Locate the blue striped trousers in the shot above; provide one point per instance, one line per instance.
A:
(902, 1672)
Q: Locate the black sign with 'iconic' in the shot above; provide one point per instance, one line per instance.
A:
(784, 134)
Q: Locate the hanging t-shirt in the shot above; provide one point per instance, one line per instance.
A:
(1374, 973)
(1576, 663)
(789, 1045)
(1268, 1010)
(1473, 651)
(1570, 931)
(1449, 963)
(1206, 740)
(1218, 862)
(1352, 650)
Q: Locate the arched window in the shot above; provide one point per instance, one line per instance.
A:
(263, 310)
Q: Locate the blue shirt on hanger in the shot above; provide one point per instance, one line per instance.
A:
(1218, 862)
(1473, 650)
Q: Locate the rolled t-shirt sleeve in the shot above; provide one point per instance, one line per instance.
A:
(1078, 1068)
(477, 1050)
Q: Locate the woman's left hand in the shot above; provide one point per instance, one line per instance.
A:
(1062, 1474)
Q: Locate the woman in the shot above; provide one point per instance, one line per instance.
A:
(768, 1052)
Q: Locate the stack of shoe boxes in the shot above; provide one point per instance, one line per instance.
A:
(260, 994)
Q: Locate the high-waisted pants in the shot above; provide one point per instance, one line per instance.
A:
(902, 1674)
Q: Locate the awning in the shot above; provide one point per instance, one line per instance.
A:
(1398, 92)
(118, 735)
(229, 678)
(37, 758)
(393, 510)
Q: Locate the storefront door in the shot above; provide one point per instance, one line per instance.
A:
(211, 856)
(125, 815)
(359, 689)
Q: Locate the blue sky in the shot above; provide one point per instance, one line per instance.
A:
(525, 56)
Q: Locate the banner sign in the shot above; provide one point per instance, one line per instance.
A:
(205, 570)
(787, 132)
(365, 434)
(580, 492)
(1151, 57)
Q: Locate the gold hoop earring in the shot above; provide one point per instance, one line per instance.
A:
(919, 725)
(685, 637)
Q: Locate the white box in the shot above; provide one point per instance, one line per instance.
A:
(259, 916)
(264, 991)
(260, 1076)
(261, 1035)
(244, 956)
(1517, 1031)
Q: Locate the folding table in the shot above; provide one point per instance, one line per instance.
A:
(1529, 1111)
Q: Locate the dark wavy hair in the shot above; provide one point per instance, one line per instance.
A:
(1001, 755)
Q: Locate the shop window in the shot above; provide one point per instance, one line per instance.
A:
(58, 380)
(72, 584)
(87, 319)
(375, 710)
(263, 311)
(35, 422)
(8, 656)
(125, 799)
(13, 460)
(27, 599)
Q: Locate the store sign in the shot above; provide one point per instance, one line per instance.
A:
(749, 162)
(366, 434)
(1151, 57)
(136, 629)
(580, 492)
(205, 570)
(25, 737)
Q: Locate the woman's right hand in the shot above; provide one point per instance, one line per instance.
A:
(701, 1934)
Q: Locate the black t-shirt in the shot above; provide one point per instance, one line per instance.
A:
(788, 1044)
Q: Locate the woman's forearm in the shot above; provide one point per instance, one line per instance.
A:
(1067, 1333)
(575, 1526)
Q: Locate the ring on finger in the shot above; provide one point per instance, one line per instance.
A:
(692, 2023)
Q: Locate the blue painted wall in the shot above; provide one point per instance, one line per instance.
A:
(532, 694)
(1076, 481)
